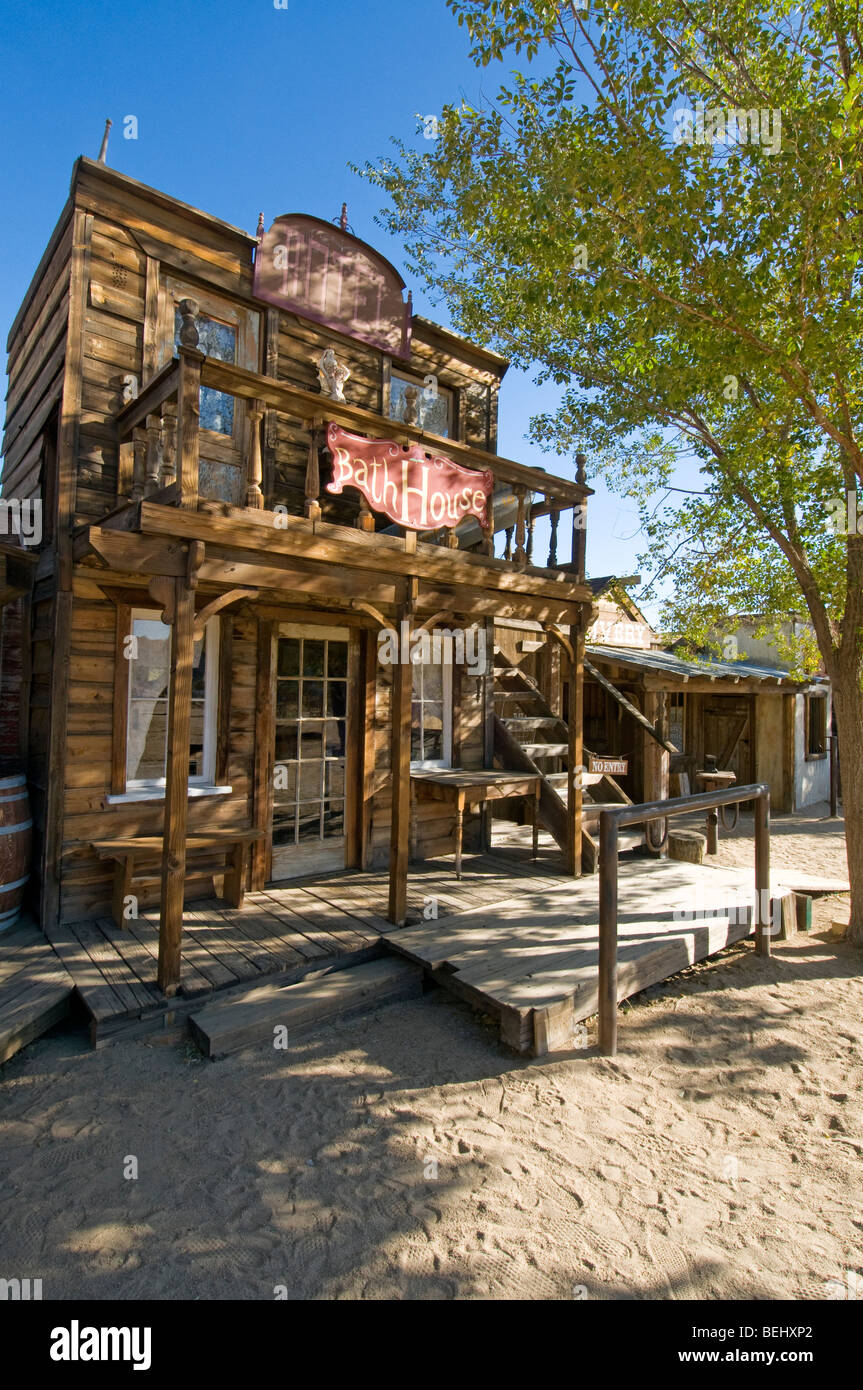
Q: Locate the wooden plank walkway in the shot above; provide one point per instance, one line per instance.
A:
(290, 931)
(35, 989)
(532, 960)
(516, 939)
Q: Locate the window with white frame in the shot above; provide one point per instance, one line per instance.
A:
(431, 715)
(149, 656)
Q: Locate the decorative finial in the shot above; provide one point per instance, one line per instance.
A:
(343, 220)
(581, 467)
(260, 231)
(103, 153)
(188, 329)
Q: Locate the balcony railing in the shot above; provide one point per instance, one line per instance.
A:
(159, 460)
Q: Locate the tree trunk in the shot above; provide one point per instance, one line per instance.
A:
(848, 700)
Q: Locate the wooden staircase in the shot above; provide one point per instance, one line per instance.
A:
(530, 737)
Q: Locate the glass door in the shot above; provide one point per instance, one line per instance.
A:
(309, 773)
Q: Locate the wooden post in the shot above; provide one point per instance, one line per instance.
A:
(713, 831)
(176, 785)
(575, 759)
(188, 413)
(655, 758)
(763, 913)
(400, 768)
(579, 524)
(254, 495)
(263, 788)
(608, 852)
(313, 479)
(487, 546)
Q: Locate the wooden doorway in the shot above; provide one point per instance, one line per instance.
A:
(311, 725)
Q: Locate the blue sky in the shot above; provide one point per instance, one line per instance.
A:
(242, 108)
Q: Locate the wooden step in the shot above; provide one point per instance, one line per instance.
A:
(532, 723)
(545, 750)
(250, 1018)
(519, 695)
(512, 673)
(32, 1000)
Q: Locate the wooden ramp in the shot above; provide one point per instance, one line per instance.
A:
(532, 961)
(35, 989)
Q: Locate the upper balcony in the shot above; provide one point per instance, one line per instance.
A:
(161, 484)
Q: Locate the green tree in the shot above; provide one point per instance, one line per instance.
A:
(660, 212)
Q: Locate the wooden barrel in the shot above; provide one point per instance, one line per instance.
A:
(16, 832)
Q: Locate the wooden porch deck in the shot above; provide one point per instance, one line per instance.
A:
(305, 926)
(532, 960)
(516, 939)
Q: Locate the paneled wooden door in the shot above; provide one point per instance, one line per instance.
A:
(311, 727)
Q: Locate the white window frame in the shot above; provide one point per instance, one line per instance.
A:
(428, 764)
(206, 779)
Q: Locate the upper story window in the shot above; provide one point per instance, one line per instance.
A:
(149, 681)
(423, 402)
(219, 340)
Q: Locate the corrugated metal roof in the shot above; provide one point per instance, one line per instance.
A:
(674, 666)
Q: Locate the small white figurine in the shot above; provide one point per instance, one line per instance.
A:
(332, 374)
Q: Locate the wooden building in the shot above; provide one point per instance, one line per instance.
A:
(201, 629)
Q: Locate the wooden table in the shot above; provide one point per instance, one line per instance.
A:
(468, 789)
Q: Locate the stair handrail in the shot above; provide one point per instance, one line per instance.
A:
(610, 822)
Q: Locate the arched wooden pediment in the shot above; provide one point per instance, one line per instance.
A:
(314, 269)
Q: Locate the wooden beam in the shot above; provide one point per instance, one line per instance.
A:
(163, 387)
(346, 547)
(400, 770)
(630, 708)
(176, 787)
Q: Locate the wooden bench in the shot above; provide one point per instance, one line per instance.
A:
(225, 851)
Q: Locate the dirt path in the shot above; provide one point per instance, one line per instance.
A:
(405, 1155)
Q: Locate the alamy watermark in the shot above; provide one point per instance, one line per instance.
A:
(845, 514)
(21, 518)
(439, 647)
(718, 125)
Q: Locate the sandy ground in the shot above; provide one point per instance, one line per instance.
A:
(405, 1154)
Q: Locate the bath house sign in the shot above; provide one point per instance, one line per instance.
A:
(413, 487)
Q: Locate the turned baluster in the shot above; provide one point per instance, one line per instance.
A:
(553, 519)
(507, 553)
(520, 554)
(254, 495)
(530, 529)
(168, 471)
(139, 469)
(365, 519)
(154, 454)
